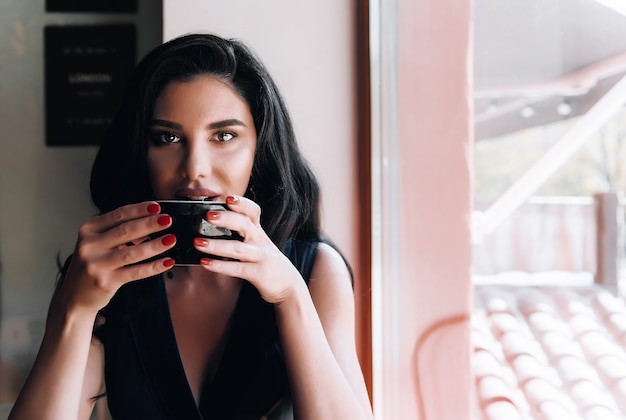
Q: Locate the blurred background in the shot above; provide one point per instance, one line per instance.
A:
(44, 190)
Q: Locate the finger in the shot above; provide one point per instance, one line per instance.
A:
(134, 242)
(130, 255)
(244, 270)
(237, 222)
(144, 270)
(140, 240)
(134, 231)
(234, 250)
(246, 207)
(236, 269)
(123, 214)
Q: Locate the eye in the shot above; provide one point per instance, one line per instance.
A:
(165, 137)
(225, 136)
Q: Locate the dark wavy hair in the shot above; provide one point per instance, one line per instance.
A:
(281, 181)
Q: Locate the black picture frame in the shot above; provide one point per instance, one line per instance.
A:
(106, 6)
(86, 71)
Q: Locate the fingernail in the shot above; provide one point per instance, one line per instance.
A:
(206, 261)
(168, 263)
(213, 215)
(164, 220)
(231, 199)
(168, 240)
(200, 242)
(154, 208)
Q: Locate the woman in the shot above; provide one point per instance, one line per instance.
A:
(270, 321)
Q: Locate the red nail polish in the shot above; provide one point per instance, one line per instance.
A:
(164, 220)
(154, 208)
(200, 242)
(168, 240)
(168, 263)
(213, 215)
(231, 199)
(206, 261)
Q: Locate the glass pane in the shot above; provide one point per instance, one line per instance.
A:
(540, 69)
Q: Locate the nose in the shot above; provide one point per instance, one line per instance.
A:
(196, 163)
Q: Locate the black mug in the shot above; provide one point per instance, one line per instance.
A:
(189, 222)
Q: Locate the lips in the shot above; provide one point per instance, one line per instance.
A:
(200, 194)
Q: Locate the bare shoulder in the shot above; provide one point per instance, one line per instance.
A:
(330, 284)
(330, 266)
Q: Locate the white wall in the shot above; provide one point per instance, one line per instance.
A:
(44, 191)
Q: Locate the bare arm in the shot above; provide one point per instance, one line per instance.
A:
(55, 383)
(318, 337)
(67, 372)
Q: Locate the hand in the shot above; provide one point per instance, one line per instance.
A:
(257, 259)
(109, 253)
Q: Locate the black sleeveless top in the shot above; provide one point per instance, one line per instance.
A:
(144, 374)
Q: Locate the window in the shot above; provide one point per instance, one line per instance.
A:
(550, 131)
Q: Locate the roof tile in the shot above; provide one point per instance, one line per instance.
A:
(549, 352)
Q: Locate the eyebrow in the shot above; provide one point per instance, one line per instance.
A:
(212, 126)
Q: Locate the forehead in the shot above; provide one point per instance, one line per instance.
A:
(200, 95)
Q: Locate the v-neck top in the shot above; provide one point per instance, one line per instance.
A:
(144, 374)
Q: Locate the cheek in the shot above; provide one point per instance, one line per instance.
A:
(246, 164)
(237, 169)
(156, 170)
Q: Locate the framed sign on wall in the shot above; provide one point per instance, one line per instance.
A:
(86, 70)
(112, 6)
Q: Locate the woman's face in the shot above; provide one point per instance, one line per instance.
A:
(203, 141)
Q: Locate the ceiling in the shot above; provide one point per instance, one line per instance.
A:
(540, 61)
